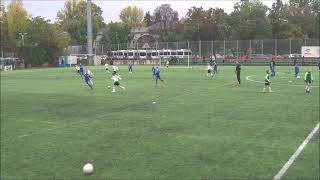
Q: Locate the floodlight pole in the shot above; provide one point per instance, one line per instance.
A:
(89, 33)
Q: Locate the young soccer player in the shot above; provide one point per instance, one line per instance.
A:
(107, 67)
(215, 68)
(81, 70)
(116, 78)
(208, 70)
(273, 67)
(153, 72)
(167, 63)
(237, 72)
(87, 78)
(130, 67)
(78, 69)
(296, 71)
(157, 73)
(115, 68)
(308, 78)
(267, 82)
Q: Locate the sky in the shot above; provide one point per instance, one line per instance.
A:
(111, 9)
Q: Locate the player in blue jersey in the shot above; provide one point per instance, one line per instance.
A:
(157, 73)
(153, 69)
(130, 67)
(81, 70)
(87, 78)
(296, 71)
(215, 68)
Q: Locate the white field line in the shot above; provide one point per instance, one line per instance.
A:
(284, 169)
(248, 78)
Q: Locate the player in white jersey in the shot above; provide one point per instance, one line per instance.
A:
(209, 73)
(116, 78)
(115, 68)
(78, 69)
(107, 66)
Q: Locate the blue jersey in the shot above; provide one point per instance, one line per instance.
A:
(130, 66)
(153, 70)
(157, 72)
(81, 68)
(87, 77)
(215, 66)
(296, 69)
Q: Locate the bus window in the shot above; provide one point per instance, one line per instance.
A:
(173, 53)
(180, 53)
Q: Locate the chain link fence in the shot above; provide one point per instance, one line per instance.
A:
(237, 49)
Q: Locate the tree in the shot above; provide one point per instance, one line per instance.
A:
(166, 17)
(132, 16)
(278, 17)
(17, 19)
(73, 19)
(249, 21)
(44, 43)
(147, 20)
(211, 24)
(118, 32)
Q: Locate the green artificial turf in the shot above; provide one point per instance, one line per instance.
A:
(52, 124)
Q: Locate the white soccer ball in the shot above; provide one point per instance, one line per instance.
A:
(87, 168)
(109, 87)
(298, 77)
(154, 102)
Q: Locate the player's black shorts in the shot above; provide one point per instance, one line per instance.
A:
(308, 81)
(209, 71)
(267, 83)
(78, 71)
(116, 83)
(107, 69)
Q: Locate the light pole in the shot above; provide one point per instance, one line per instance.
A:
(22, 37)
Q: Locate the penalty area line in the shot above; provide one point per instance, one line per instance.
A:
(284, 169)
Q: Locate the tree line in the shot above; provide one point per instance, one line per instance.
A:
(38, 40)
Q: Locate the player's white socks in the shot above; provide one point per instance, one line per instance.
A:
(113, 89)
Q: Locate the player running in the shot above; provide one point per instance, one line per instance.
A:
(153, 72)
(237, 72)
(157, 73)
(77, 69)
(209, 68)
(116, 78)
(167, 63)
(215, 68)
(81, 70)
(267, 82)
(308, 78)
(115, 68)
(107, 67)
(130, 67)
(296, 71)
(87, 78)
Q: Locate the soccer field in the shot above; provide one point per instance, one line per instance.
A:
(52, 124)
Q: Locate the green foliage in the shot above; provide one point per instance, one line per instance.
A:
(118, 32)
(132, 16)
(17, 19)
(147, 20)
(44, 42)
(73, 19)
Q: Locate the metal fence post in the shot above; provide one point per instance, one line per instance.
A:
(250, 49)
(261, 46)
(275, 47)
(200, 48)
(211, 48)
(102, 49)
(224, 48)
(188, 56)
(237, 49)
(290, 46)
(167, 45)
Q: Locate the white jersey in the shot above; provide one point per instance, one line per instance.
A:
(77, 68)
(115, 68)
(209, 67)
(106, 65)
(116, 78)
